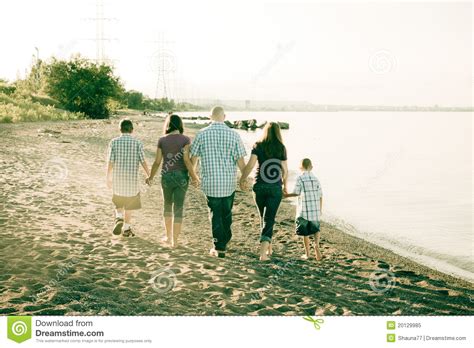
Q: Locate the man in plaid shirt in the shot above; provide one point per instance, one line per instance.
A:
(220, 150)
(124, 159)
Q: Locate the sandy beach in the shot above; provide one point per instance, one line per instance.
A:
(58, 255)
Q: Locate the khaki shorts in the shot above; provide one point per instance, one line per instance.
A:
(127, 203)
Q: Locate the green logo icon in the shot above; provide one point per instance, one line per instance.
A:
(390, 325)
(390, 337)
(316, 322)
(19, 328)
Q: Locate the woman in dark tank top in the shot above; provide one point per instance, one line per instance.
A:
(173, 151)
(271, 175)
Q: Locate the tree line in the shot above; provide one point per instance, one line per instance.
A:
(81, 85)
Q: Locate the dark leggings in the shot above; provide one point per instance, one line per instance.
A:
(268, 199)
(175, 185)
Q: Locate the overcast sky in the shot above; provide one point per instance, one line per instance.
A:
(334, 53)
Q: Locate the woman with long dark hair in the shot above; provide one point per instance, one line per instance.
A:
(173, 151)
(271, 175)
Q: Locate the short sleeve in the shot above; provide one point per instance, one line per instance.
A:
(298, 186)
(255, 150)
(284, 156)
(320, 190)
(187, 140)
(160, 143)
(111, 152)
(196, 146)
(141, 153)
(239, 150)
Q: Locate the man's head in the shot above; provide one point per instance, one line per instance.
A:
(306, 164)
(126, 126)
(217, 114)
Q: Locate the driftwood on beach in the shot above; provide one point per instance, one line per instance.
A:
(250, 124)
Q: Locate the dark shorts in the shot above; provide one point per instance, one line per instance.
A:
(128, 203)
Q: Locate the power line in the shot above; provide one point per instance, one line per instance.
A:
(163, 64)
(100, 37)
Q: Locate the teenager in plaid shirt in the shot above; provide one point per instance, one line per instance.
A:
(221, 151)
(125, 157)
(310, 202)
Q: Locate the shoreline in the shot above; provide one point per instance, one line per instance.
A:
(446, 264)
(342, 284)
(352, 243)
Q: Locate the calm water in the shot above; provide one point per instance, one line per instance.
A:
(400, 179)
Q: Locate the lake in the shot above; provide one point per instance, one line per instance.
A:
(402, 180)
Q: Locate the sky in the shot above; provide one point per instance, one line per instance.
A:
(377, 53)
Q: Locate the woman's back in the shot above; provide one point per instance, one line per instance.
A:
(172, 148)
(269, 169)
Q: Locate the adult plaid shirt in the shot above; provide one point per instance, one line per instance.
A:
(309, 190)
(126, 153)
(219, 149)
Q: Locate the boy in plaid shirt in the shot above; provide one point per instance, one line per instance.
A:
(124, 159)
(310, 202)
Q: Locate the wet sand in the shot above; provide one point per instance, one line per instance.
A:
(58, 255)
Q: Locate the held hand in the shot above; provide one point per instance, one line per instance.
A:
(196, 182)
(149, 181)
(244, 186)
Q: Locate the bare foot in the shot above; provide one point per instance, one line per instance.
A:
(217, 253)
(264, 258)
(304, 257)
(270, 250)
(318, 255)
(165, 240)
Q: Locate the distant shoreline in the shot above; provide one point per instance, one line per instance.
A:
(292, 106)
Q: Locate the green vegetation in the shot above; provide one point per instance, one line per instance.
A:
(73, 89)
(138, 101)
(18, 109)
(82, 86)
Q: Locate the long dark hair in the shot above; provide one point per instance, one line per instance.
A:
(173, 123)
(272, 141)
